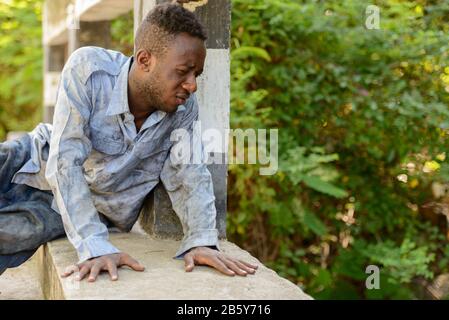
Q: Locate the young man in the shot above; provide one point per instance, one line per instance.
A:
(107, 149)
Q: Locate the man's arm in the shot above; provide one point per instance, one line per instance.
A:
(189, 186)
(69, 147)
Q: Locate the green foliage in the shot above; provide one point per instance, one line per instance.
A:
(309, 169)
(403, 262)
(20, 65)
(122, 34)
(356, 109)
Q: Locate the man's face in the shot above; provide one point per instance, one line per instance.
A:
(173, 78)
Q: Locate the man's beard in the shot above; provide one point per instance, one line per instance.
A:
(152, 92)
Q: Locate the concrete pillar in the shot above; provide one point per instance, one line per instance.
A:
(55, 51)
(54, 58)
(213, 95)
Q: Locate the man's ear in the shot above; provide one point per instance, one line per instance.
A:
(145, 60)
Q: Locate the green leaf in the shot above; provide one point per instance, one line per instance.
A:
(309, 219)
(324, 187)
(314, 224)
(246, 51)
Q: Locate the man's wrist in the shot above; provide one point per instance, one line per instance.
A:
(210, 247)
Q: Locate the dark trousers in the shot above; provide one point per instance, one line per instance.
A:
(26, 218)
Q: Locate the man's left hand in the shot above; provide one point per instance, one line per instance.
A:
(218, 260)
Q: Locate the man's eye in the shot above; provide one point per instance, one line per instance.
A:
(182, 72)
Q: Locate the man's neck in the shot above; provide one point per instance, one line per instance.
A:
(137, 106)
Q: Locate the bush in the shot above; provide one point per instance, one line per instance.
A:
(20, 65)
(363, 121)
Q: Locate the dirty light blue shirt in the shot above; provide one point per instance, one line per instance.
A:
(93, 159)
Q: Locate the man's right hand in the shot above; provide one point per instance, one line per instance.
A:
(109, 262)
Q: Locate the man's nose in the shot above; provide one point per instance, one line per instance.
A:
(190, 84)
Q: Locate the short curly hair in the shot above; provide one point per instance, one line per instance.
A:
(162, 24)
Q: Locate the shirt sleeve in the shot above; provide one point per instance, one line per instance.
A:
(69, 147)
(189, 184)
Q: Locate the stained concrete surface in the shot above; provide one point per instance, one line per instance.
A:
(21, 283)
(164, 277)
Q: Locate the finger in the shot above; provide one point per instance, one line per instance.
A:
(189, 262)
(252, 266)
(112, 269)
(69, 270)
(94, 271)
(133, 263)
(231, 265)
(243, 267)
(83, 271)
(220, 266)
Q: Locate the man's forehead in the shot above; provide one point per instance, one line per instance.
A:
(186, 55)
(184, 44)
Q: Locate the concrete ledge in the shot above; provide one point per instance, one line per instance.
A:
(164, 277)
(21, 283)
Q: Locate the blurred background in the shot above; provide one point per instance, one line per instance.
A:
(363, 118)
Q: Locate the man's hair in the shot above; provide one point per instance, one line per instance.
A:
(162, 24)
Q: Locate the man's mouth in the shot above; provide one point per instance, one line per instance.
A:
(181, 99)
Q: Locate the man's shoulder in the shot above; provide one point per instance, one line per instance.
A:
(87, 60)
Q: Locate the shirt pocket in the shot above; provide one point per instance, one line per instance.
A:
(152, 148)
(107, 142)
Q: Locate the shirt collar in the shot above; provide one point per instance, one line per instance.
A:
(154, 118)
(119, 99)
